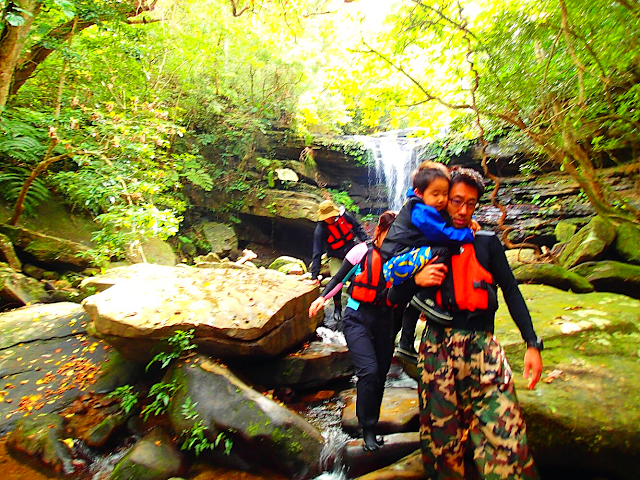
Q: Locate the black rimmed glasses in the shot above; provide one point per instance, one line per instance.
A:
(456, 202)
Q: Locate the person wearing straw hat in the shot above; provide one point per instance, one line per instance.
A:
(335, 234)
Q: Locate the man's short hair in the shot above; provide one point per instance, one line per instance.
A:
(468, 176)
(423, 177)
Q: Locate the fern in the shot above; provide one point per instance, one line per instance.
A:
(11, 183)
(21, 141)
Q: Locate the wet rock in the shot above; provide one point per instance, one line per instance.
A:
(101, 433)
(262, 431)
(407, 468)
(627, 242)
(154, 457)
(590, 243)
(236, 312)
(548, 274)
(17, 289)
(610, 276)
(396, 446)
(41, 438)
(53, 252)
(398, 413)
(47, 360)
(315, 365)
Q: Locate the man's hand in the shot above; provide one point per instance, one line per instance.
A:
(532, 366)
(315, 281)
(317, 304)
(431, 274)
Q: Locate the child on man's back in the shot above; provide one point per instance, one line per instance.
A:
(420, 233)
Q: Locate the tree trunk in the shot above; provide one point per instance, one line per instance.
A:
(11, 43)
(39, 52)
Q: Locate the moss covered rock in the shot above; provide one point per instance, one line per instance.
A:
(262, 431)
(221, 238)
(41, 438)
(585, 411)
(548, 274)
(285, 264)
(590, 243)
(564, 230)
(17, 289)
(610, 276)
(628, 242)
(50, 251)
(154, 457)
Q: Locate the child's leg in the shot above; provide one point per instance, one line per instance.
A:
(407, 337)
(405, 265)
(425, 299)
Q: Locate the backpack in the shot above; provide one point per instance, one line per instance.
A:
(370, 286)
(468, 286)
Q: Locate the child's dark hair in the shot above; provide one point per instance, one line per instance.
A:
(385, 221)
(423, 177)
(468, 176)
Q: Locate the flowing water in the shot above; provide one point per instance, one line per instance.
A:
(396, 154)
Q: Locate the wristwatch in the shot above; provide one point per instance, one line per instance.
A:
(537, 344)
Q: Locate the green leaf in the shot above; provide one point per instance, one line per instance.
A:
(14, 20)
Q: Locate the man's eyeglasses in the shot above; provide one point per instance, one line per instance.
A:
(456, 202)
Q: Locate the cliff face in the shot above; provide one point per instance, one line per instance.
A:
(534, 204)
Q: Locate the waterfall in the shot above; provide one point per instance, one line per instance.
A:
(396, 155)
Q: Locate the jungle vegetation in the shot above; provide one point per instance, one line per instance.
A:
(121, 105)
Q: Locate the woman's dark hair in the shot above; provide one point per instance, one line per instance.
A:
(468, 176)
(385, 221)
(423, 177)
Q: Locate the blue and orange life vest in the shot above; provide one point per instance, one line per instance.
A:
(340, 232)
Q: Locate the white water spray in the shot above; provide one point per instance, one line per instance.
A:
(396, 155)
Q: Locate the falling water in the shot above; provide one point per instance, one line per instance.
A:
(395, 155)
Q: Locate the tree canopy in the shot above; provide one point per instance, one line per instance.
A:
(119, 105)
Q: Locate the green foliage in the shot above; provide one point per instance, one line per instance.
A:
(179, 343)
(127, 397)
(20, 140)
(195, 438)
(343, 198)
(163, 392)
(11, 183)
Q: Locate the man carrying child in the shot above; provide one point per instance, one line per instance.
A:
(466, 389)
(420, 233)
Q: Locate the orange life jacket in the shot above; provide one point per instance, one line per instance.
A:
(340, 232)
(471, 283)
(369, 286)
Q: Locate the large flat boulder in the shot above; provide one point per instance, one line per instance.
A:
(235, 312)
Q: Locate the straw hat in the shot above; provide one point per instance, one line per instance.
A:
(326, 210)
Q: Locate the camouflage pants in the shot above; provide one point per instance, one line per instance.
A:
(470, 422)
